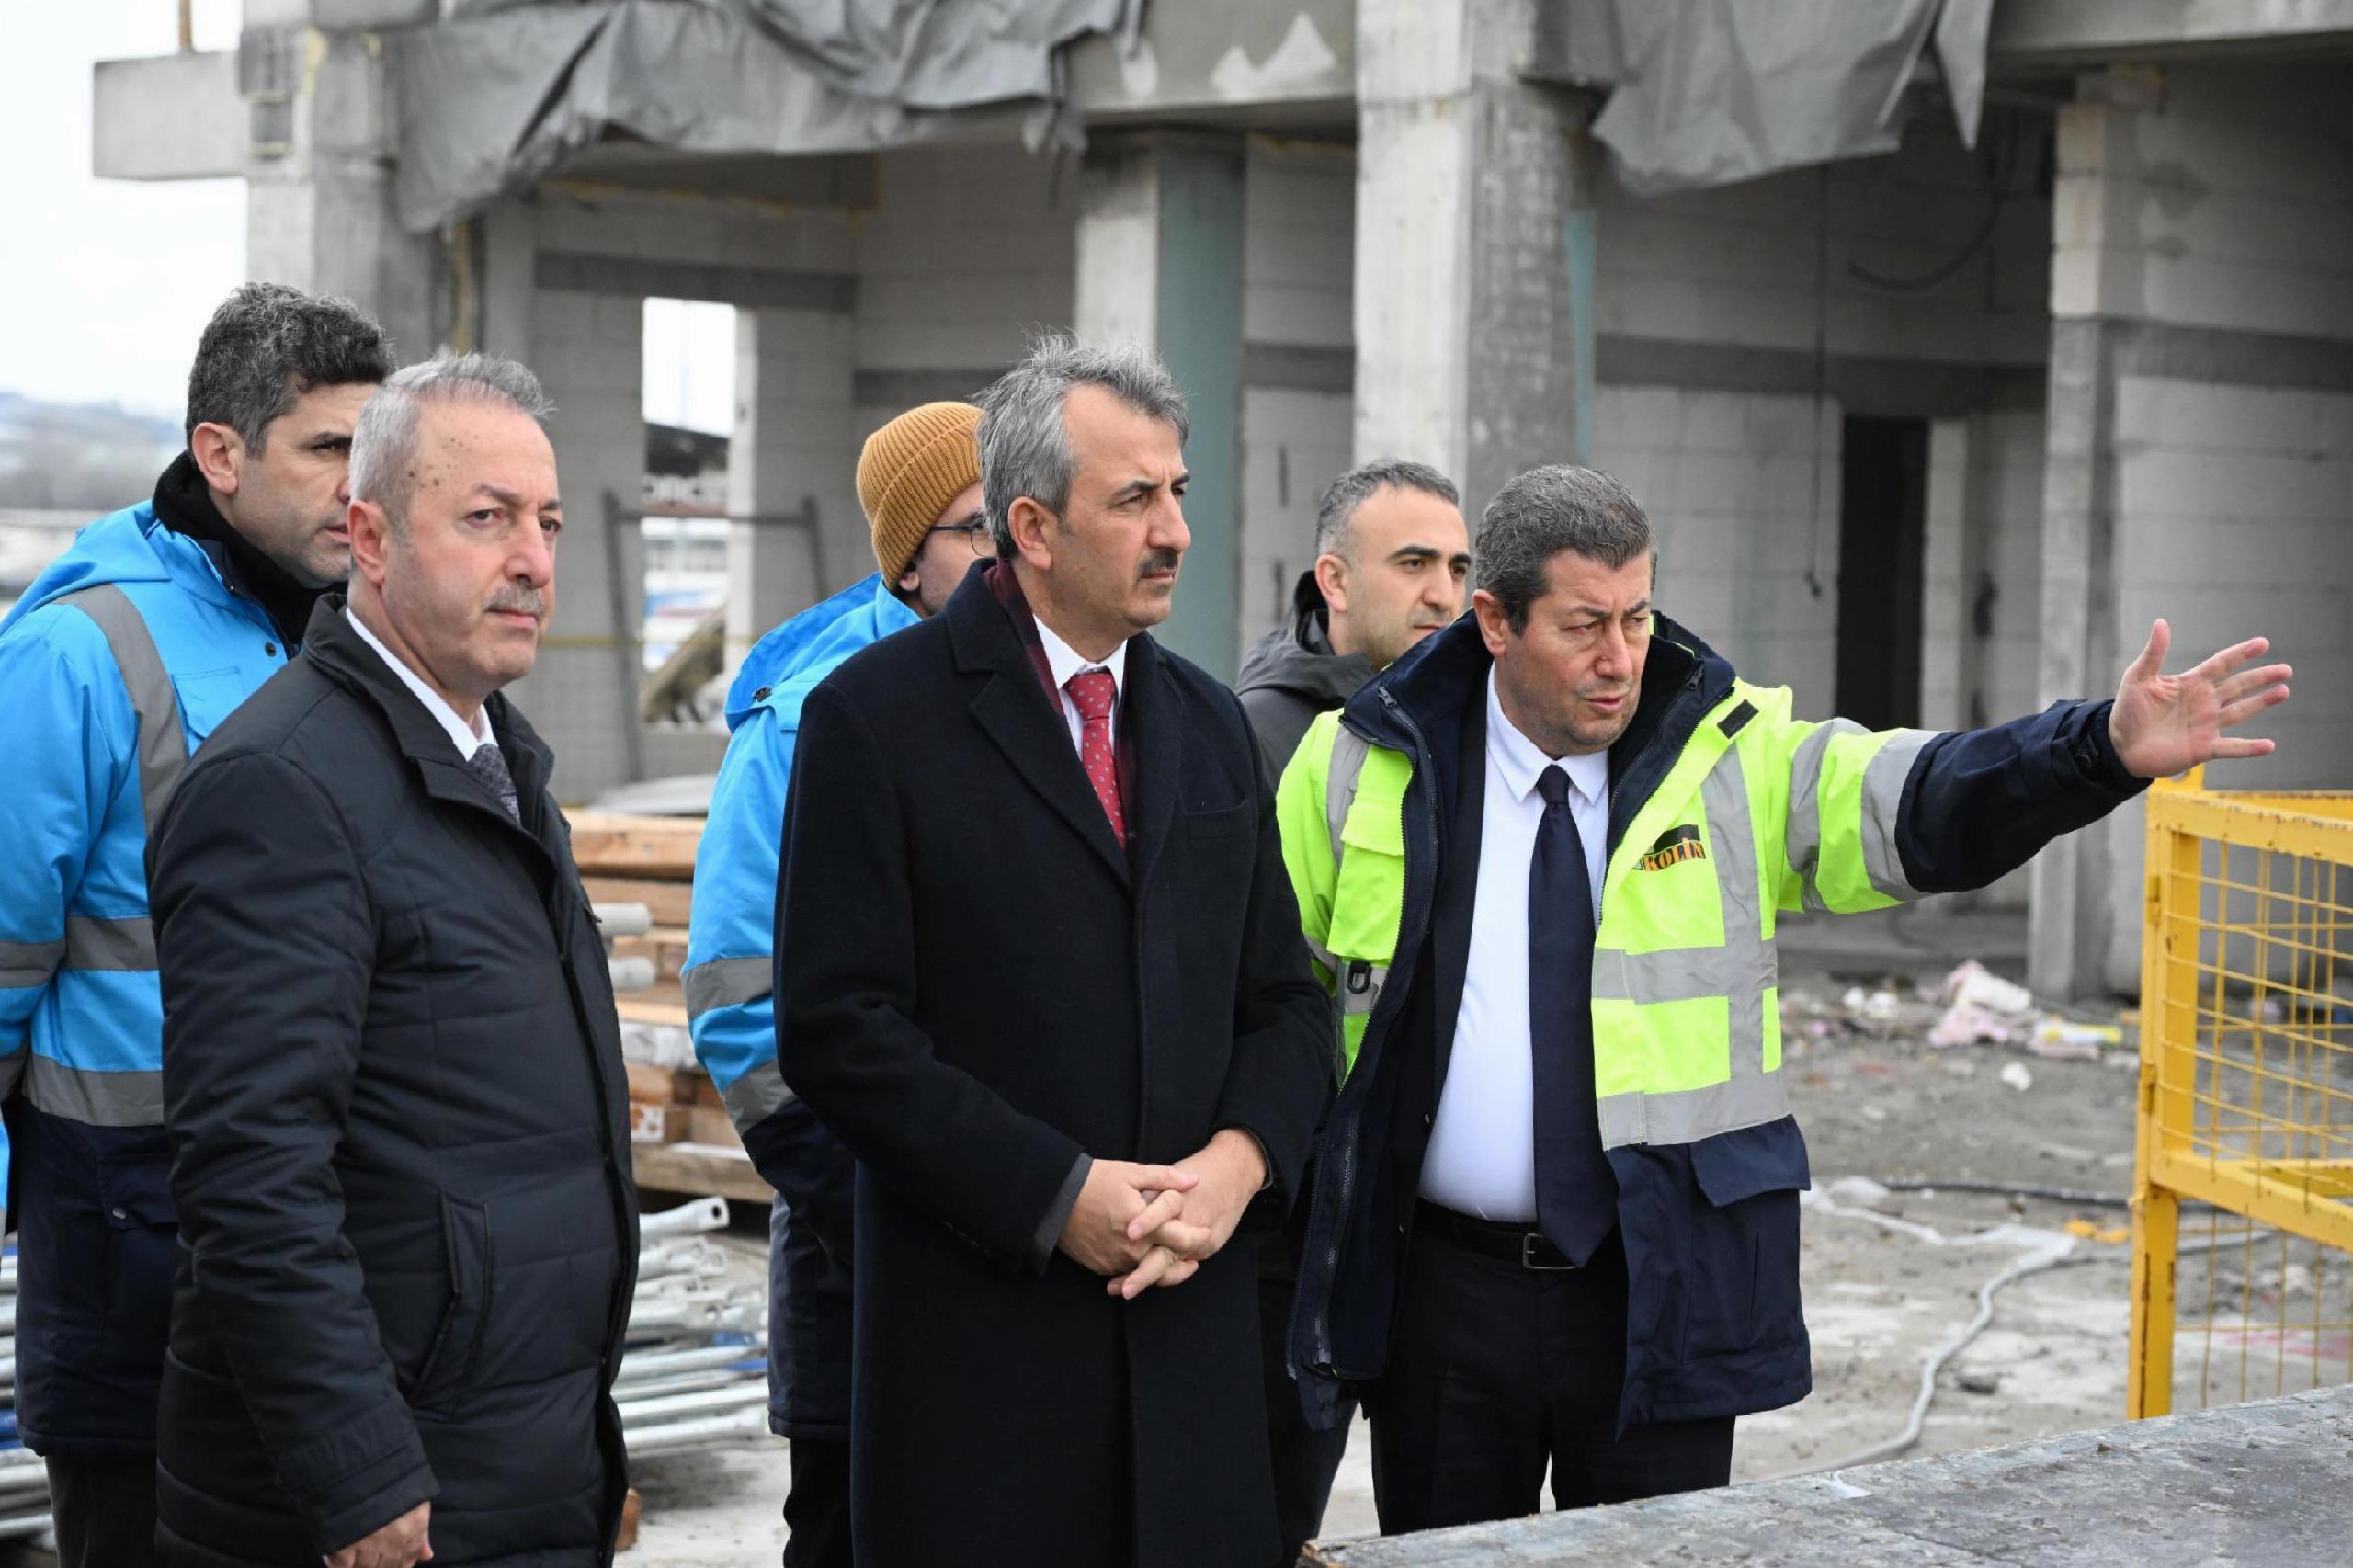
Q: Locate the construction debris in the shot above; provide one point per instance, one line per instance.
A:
(694, 1371)
(24, 1482)
(639, 873)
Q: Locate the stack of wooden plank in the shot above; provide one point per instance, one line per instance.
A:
(683, 1140)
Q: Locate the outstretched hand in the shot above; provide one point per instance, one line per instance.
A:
(2165, 724)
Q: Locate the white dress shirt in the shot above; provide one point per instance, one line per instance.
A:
(1482, 1157)
(1066, 661)
(466, 737)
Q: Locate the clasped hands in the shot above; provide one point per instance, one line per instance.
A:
(1144, 1225)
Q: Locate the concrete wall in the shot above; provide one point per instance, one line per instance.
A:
(1736, 332)
(1980, 649)
(1297, 362)
(2202, 429)
(565, 274)
(1740, 504)
(966, 256)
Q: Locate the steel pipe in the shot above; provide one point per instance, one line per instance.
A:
(714, 1401)
(702, 1214)
(679, 1437)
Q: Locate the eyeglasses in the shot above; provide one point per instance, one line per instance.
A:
(975, 530)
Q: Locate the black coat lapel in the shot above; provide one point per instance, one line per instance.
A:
(1458, 890)
(1155, 712)
(1014, 710)
(337, 650)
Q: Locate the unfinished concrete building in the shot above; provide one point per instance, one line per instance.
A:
(1929, 435)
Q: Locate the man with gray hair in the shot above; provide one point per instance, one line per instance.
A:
(1540, 866)
(392, 1070)
(117, 661)
(1069, 1052)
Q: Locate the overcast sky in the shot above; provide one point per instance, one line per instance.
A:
(105, 284)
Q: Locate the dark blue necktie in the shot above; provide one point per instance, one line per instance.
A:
(1577, 1196)
(488, 765)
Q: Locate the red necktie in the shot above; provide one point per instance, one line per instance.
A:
(1093, 693)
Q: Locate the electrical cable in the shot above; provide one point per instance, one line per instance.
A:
(2045, 1249)
(2000, 164)
(2010, 1190)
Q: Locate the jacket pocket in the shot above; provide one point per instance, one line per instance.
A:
(1742, 1292)
(142, 1247)
(1225, 821)
(450, 1355)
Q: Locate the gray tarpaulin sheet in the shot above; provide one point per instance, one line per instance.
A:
(1709, 92)
(498, 96)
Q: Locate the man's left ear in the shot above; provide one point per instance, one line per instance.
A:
(371, 529)
(1027, 520)
(1493, 625)
(219, 454)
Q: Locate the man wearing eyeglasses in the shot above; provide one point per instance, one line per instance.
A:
(919, 482)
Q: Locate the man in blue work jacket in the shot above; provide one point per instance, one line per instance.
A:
(117, 662)
(919, 483)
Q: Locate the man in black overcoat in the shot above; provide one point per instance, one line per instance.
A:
(392, 1070)
(1039, 972)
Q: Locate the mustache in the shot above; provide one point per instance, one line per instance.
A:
(1159, 561)
(521, 600)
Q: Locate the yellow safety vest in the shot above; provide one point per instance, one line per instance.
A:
(1761, 812)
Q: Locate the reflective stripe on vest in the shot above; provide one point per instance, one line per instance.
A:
(1742, 972)
(1357, 981)
(1828, 759)
(90, 1096)
(94, 1097)
(162, 745)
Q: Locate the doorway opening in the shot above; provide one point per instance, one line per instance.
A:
(1882, 535)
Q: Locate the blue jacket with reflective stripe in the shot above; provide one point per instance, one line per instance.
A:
(81, 1013)
(730, 945)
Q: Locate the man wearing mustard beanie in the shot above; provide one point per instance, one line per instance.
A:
(919, 483)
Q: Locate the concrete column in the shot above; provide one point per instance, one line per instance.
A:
(791, 470)
(318, 162)
(2072, 919)
(588, 352)
(1474, 245)
(1160, 251)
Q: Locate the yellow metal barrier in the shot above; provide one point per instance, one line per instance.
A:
(2247, 1100)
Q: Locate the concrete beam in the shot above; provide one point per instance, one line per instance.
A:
(170, 117)
(1200, 60)
(2260, 1482)
(340, 15)
(746, 287)
(2030, 35)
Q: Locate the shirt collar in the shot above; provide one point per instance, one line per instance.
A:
(466, 737)
(1521, 762)
(1066, 661)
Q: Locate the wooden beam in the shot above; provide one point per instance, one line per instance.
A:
(698, 1168)
(610, 844)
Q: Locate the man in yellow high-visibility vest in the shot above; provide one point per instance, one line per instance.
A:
(1539, 862)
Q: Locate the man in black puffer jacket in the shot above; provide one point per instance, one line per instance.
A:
(391, 1072)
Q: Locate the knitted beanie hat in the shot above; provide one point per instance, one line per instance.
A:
(910, 469)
